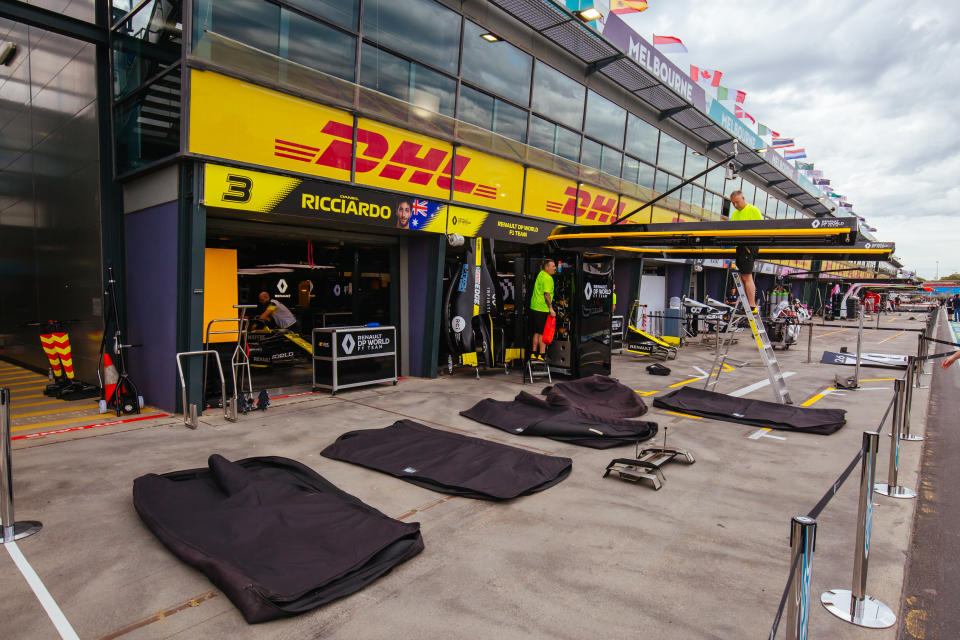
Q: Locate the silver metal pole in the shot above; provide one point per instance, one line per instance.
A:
(856, 370)
(856, 606)
(809, 341)
(912, 373)
(803, 535)
(891, 488)
(921, 347)
(12, 530)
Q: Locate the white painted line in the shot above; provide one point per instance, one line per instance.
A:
(756, 385)
(701, 372)
(46, 600)
(762, 433)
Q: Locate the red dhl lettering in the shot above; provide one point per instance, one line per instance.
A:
(597, 208)
(409, 162)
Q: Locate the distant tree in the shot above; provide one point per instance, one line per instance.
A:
(953, 277)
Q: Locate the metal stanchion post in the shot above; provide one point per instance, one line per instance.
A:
(803, 537)
(913, 368)
(891, 488)
(855, 605)
(809, 340)
(12, 530)
(856, 369)
(921, 351)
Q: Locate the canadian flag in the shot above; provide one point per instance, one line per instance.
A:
(705, 75)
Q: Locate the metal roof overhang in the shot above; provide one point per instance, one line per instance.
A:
(855, 252)
(600, 56)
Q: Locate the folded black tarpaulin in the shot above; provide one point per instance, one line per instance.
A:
(600, 396)
(569, 415)
(759, 413)
(450, 462)
(276, 537)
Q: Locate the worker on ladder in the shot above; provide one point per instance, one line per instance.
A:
(746, 255)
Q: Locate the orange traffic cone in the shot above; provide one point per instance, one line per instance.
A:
(110, 379)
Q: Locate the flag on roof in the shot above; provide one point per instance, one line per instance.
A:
(669, 44)
(794, 154)
(621, 7)
(710, 76)
(805, 166)
(741, 96)
(822, 182)
(740, 113)
(779, 142)
(847, 205)
(816, 173)
(723, 94)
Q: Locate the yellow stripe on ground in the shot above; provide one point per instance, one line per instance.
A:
(17, 396)
(830, 333)
(645, 393)
(892, 337)
(892, 319)
(49, 411)
(685, 415)
(680, 384)
(36, 383)
(21, 376)
(818, 397)
(107, 417)
(18, 405)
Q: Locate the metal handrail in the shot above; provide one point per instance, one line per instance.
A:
(191, 415)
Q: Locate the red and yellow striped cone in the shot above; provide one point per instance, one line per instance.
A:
(62, 346)
(49, 348)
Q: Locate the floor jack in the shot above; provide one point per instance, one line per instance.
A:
(648, 463)
(119, 391)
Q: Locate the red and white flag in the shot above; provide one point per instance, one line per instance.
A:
(711, 76)
(669, 44)
(740, 113)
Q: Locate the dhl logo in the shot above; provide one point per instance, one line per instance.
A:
(586, 206)
(408, 162)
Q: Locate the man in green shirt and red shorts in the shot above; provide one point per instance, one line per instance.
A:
(746, 255)
(541, 306)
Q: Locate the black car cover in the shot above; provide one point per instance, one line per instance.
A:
(569, 416)
(277, 538)
(718, 406)
(599, 396)
(450, 462)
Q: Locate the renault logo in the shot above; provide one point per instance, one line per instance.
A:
(348, 344)
(282, 286)
(588, 291)
(815, 224)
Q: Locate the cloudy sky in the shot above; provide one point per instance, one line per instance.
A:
(869, 88)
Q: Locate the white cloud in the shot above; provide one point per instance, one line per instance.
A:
(869, 89)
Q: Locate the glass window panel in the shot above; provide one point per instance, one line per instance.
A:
(432, 90)
(671, 154)
(760, 199)
(631, 169)
(729, 186)
(558, 96)
(694, 165)
(610, 161)
(715, 179)
(146, 42)
(696, 196)
(341, 12)
(604, 120)
(568, 144)
(665, 181)
(708, 201)
(685, 194)
(543, 134)
(590, 153)
(646, 175)
(402, 26)
(497, 66)
(252, 22)
(642, 139)
(717, 204)
(385, 72)
(316, 45)
(509, 121)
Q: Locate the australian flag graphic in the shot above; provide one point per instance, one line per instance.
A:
(424, 211)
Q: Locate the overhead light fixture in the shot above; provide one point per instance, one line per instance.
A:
(764, 150)
(490, 37)
(588, 15)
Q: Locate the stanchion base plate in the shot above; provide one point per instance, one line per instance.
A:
(20, 530)
(870, 612)
(911, 438)
(894, 492)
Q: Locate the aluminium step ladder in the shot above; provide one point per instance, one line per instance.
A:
(767, 355)
(537, 368)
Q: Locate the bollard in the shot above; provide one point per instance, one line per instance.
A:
(855, 606)
(803, 537)
(12, 530)
(856, 370)
(809, 341)
(891, 488)
(912, 372)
